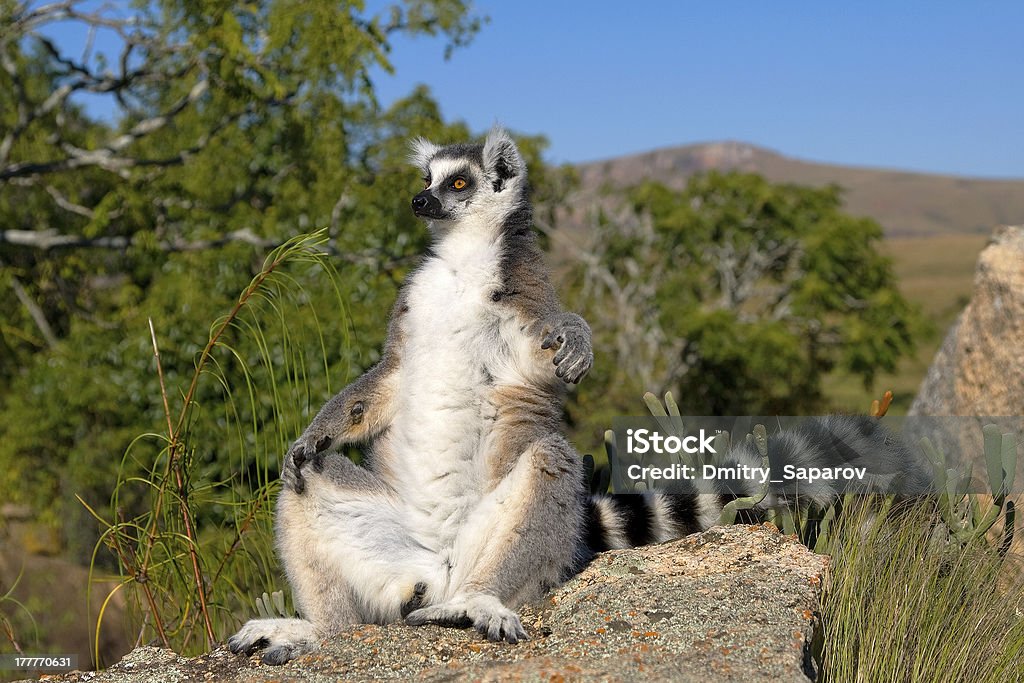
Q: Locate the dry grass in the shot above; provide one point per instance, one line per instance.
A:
(903, 605)
(936, 272)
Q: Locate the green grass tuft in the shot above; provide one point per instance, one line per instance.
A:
(193, 535)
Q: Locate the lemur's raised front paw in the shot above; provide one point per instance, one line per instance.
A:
(307, 450)
(570, 337)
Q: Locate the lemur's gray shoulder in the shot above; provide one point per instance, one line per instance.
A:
(525, 277)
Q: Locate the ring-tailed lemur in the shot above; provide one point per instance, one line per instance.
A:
(471, 501)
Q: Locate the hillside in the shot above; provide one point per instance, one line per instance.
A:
(906, 204)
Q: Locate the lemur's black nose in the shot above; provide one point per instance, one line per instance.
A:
(426, 205)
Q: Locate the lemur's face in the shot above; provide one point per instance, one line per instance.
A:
(484, 182)
(452, 185)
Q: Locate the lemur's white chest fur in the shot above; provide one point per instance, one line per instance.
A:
(458, 345)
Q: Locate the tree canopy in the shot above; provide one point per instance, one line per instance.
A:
(235, 126)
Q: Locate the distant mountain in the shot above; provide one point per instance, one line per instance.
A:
(905, 203)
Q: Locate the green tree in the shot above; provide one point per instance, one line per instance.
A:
(233, 122)
(736, 294)
(235, 127)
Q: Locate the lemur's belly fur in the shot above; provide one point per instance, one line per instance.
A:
(463, 354)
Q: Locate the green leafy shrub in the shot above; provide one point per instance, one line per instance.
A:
(738, 295)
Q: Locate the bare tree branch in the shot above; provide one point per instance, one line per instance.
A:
(52, 240)
(630, 319)
(108, 157)
(49, 240)
(160, 65)
(35, 311)
(68, 205)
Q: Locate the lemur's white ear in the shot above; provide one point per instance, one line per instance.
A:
(502, 160)
(421, 151)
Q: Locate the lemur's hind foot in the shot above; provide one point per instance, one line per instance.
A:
(484, 612)
(280, 639)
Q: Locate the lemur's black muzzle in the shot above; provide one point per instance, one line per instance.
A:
(427, 205)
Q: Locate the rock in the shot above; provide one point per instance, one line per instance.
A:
(980, 368)
(731, 604)
(978, 373)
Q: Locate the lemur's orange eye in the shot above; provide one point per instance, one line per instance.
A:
(426, 183)
(459, 184)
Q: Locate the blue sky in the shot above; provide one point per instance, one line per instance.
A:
(930, 86)
(933, 86)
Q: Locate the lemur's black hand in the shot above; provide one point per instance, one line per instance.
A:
(569, 335)
(308, 449)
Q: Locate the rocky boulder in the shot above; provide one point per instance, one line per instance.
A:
(979, 370)
(978, 373)
(731, 604)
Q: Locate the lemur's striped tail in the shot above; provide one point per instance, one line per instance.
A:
(629, 520)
